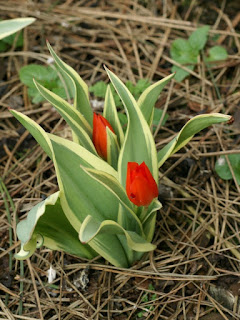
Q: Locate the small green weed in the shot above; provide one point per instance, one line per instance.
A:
(46, 76)
(186, 52)
(223, 170)
(147, 297)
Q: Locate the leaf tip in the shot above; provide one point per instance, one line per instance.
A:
(231, 120)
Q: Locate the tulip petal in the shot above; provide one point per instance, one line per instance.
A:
(140, 186)
(100, 139)
(99, 136)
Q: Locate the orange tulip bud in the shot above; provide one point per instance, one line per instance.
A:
(100, 134)
(140, 185)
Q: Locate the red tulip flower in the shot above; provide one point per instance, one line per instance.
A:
(100, 134)
(140, 185)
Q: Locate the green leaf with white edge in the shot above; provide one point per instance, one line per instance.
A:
(62, 105)
(44, 140)
(81, 100)
(149, 97)
(139, 144)
(73, 117)
(126, 216)
(91, 228)
(223, 170)
(46, 224)
(192, 127)
(217, 53)
(87, 157)
(198, 38)
(8, 27)
(36, 131)
(110, 113)
(149, 219)
(85, 195)
(90, 161)
(112, 149)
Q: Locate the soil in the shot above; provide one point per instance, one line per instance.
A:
(194, 273)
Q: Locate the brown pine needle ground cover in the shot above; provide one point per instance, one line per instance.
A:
(194, 273)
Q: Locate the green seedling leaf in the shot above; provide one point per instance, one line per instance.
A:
(141, 85)
(182, 52)
(35, 95)
(198, 38)
(181, 74)
(8, 27)
(137, 90)
(192, 127)
(61, 92)
(157, 116)
(99, 89)
(149, 97)
(217, 53)
(223, 169)
(46, 224)
(90, 228)
(44, 75)
(186, 52)
(139, 144)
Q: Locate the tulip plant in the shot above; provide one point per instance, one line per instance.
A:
(108, 181)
